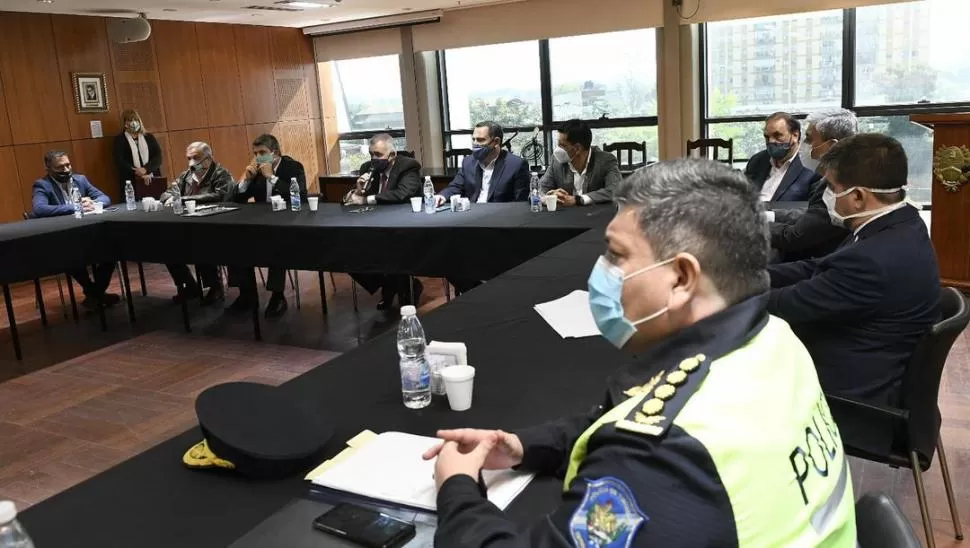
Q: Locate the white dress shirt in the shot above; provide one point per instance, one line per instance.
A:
(774, 179)
(486, 181)
(579, 180)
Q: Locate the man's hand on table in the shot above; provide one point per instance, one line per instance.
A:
(87, 204)
(468, 450)
(439, 200)
(564, 198)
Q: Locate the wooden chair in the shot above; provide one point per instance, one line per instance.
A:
(455, 156)
(617, 149)
(710, 149)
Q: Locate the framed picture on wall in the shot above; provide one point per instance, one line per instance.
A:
(90, 92)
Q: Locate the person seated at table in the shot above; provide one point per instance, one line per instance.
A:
(777, 171)
(490, 174)
(268, 174)
(862, 310)
(387, 178)
(205, 182)
(580, 174)
(798, 234)
(716, 434)
(52, 198)
(137, 154)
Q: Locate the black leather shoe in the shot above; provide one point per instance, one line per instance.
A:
(215, 295)
(277, 306)
(110, 299)
(243, 303)
(188, 293)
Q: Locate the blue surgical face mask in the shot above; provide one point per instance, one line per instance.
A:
(606, 301)
(778, 150)
(264, 158)
(480, 152)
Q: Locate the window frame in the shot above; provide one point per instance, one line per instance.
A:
(848, 88)
(548, 125)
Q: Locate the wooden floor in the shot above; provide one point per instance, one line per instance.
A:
(84, 400)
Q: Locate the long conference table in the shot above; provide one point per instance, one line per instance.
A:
(525, 372)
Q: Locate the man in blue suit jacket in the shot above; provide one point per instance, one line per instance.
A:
(52, 197)
(777, 171)
(862, 310)
(490, 174)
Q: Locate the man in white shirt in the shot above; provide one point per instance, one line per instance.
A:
(490, 174)
(580, 174)
(777, 171)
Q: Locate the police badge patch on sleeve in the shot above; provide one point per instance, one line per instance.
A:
(608, 517)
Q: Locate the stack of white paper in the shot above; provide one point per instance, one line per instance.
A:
(389, 467)
(570, 315)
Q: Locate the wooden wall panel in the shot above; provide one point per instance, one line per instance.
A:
(256, 74)
(331, 137)
(230, 147)
(82, 46)
(177, 141)
(162, 139)
(296, 140)
(94, 159)
(12, 205)
(220, 74)
(30, 165)
(5, 138)
(255, 130)
(180, 73)
(292, 89)
(137, 83)
(28, 65)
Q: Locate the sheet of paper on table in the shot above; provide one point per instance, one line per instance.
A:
(570, 315)
(389, 467)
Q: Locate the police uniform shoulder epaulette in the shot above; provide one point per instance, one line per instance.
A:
(664, 396)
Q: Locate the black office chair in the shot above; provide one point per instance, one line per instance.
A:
(915, 434)
(880, 523)
(455, 156)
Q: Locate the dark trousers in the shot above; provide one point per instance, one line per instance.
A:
(102, 278)
(391, 284)
(182, 276)
(464, 284)
(245, 279)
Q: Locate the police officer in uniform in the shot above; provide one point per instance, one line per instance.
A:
(718, 433)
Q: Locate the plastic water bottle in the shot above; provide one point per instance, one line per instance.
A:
(428, 195)
(294, 194)
(415, 373)
(130, 204)
(176, 199)
(535, 200)
(76, 201)
(12, 534)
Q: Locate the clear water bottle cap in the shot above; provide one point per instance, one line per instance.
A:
(408, 310)
(8, 511)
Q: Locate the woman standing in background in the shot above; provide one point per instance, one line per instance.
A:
(137, 154)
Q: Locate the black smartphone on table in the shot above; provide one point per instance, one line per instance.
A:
(364, 526)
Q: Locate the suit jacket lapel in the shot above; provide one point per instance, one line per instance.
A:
(792, 173)
(391, 175)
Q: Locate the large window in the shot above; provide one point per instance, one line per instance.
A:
(883, 62)
(367, 93)
(608, 80)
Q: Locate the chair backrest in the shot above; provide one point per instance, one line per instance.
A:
(408, 153)
(921, 381)
(455, 156)
(881, 524)
(630, 148)
(710, 149)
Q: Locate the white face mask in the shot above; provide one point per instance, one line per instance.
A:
(805, 151)
(830, 197)
(561, 156)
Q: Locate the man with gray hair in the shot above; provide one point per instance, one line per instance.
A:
(677, 450)
(204, 181)
(803, 234)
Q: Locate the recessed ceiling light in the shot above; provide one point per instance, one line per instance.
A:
(45, 1)
(406, 9)
(169, 9)
(304, 5)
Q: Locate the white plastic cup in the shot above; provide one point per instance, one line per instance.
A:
(98, 208)
(455, 202)
(552, 202)
(314, 202)
(146, 203)
(190, 206)
(459, 382)
(416, 204)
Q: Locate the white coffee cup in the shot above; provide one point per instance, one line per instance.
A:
(314, 202)
(459, 382)
(98, 208)
(146, 203)
(190, 206)
(552, 202)
(416, 204)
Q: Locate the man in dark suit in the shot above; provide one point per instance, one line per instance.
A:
(777, 171)
(798, 234)
(267, 175)
(387, 178)
(490, 174)
(862, 310)
(580, 174)
(52, 198)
